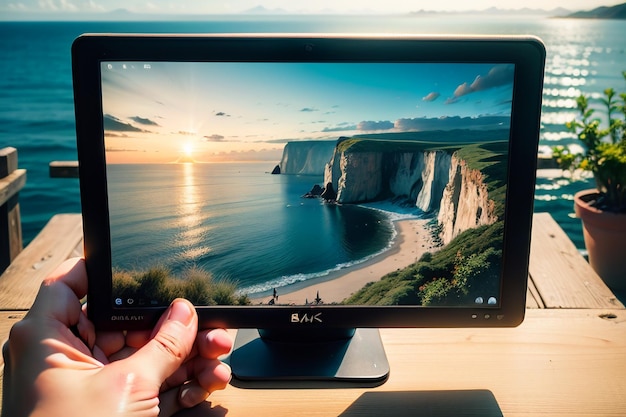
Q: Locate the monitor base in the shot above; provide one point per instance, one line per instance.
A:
(358, 356)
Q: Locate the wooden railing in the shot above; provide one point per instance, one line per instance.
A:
(63, 169)
(12, 180)
(23, 269)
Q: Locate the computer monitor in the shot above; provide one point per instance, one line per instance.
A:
(307, 186)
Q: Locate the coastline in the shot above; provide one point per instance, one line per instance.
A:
(412, 241)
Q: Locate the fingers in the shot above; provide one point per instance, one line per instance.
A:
(118, 345)
(192, 394)
(60, 293)
(214, 343)
(215, 376)
(57, 308)
(210, 345)
(170, 346)
(109, 343)
(73, 274)
(203, 374)
(208, 373)
(212, 375)
(138, 338)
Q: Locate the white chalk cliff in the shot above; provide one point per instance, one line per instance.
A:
(465, 202)
(306, 157)
(435, 181)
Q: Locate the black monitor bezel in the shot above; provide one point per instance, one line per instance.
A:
(528, 55)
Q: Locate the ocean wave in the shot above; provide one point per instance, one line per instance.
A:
(266, 288)
(393, 212)
(396, 212)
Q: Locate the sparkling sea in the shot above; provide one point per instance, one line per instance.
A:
(238, 222)
(36, 102)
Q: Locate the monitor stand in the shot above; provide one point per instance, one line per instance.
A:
(337, 355)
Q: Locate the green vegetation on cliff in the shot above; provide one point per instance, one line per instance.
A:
(443, 137)
(470, 265)
(488, 157)
(422, 141)
(158, 285)
(466, 268)
(383, 145)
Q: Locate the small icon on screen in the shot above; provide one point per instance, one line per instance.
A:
(492, 301)
(123, 66)
(479, 300)
(118, 301)
(110, 66)
(147, 66)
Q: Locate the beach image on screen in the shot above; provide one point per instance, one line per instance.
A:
(306, 183)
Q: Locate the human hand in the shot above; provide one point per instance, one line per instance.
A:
(51, 372)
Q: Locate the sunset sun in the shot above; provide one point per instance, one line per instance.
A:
(186, 154)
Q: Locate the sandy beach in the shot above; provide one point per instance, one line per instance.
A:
(412, 241)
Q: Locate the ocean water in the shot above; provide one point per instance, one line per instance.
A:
(36, 104)
(237, 223)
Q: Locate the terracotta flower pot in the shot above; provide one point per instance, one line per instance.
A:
(605, 239)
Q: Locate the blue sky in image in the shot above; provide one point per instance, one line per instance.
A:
(210, 109)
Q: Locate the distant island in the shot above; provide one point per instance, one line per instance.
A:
(496, 11)
(604, 12)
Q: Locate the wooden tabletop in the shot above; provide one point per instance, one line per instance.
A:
(558, 362)
(569, 362)
(568, 357)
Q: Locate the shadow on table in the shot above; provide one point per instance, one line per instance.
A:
(205, 409)
(425, 403)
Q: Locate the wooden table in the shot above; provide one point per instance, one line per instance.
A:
(567, 358)
(558, 362)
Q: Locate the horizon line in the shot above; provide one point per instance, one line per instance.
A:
(122, 12)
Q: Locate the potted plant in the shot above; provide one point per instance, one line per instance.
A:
(602, 210)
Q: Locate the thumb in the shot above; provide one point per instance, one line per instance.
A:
(172, 342)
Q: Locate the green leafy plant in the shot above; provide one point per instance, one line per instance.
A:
(604, 153)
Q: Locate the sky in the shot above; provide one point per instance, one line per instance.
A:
(218, 112)
(54, 7)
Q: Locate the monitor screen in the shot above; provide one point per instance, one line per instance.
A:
(397, 184)
(371, 162)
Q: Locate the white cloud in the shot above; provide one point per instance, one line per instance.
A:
(451, 122)
(431, 96)
(60, 6)
(93, 6)
(214, 138)
(497, 76)
(369, 125)
(47, 5)
(20, 7)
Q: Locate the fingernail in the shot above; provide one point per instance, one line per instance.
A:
(192, 395)
(180, 312)
(223, 372)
